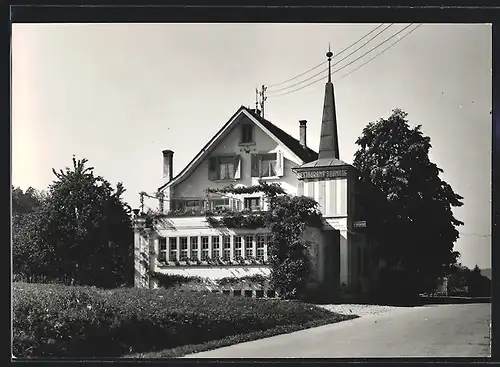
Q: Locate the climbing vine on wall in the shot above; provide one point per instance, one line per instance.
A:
(287, 219)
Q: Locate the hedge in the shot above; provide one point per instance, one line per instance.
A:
(59, 320)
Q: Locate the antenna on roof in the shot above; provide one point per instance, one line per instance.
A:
(256, 99)
(263, 98)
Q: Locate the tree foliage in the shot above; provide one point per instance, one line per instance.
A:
(28, 251)
(287, 219)
(463, 281)
(288, 252)
(28, 201)
(415, 227)
(84, 229)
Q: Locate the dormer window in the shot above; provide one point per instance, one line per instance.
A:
(246, 134)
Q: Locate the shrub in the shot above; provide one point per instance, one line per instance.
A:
(287, 219)
(58, 320)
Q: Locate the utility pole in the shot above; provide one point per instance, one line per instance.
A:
(263, 98)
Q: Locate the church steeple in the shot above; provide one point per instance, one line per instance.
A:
(329, 144)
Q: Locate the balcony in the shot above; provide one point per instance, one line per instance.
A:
(192, 207)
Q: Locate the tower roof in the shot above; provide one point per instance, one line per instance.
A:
(329, 141)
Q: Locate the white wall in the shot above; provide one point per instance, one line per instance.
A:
(331, 195)
(215, 272)
(195, 184)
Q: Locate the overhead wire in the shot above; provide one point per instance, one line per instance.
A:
(324, 62)
(343, 67)
(336, 63)
(380, 53)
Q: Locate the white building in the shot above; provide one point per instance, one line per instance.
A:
(246, 149)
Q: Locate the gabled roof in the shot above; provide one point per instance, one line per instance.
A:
(304, 154)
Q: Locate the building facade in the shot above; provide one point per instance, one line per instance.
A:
(249, 148)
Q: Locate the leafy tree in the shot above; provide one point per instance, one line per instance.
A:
(458, 280)
(84, 229)
(28, 253)
(288, 252)
(415, 228)
(31, 257)
(26, 202)
(463, 281)
(479, 285)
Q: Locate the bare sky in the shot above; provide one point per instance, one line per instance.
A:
(118, 94)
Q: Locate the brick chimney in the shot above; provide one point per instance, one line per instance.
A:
(303, 132)
(168, 165)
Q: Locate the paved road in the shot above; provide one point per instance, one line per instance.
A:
(427, 331)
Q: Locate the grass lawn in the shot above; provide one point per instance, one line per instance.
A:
(58, 320)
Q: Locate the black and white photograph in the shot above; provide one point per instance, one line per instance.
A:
(251, 190)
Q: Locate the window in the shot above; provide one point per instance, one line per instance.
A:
(248, 246)
(184, 248)
(224, 168)
(204, 247)
(226, 240)
(223, 203)
(261, 242)
(215, 247)
(252, 204)
(194, 248)
(172, 256)
(267, 165)
(237, 246)
(162, 250)
(246, 133)
(193, 205)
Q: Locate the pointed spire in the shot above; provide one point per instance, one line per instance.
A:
(329, 54)
(329, 144)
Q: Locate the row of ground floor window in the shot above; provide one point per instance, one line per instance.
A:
(226, 247)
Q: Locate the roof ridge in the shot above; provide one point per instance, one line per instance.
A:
(260, 118)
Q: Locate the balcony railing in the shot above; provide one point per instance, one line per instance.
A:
(200, 206)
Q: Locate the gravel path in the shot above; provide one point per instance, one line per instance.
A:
(360, 310)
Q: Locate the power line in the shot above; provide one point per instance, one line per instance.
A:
(324, 62)
(338, 62)
(337, 70)
(380, 53)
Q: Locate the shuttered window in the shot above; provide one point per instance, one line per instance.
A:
(267, 165)
(224, 168)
